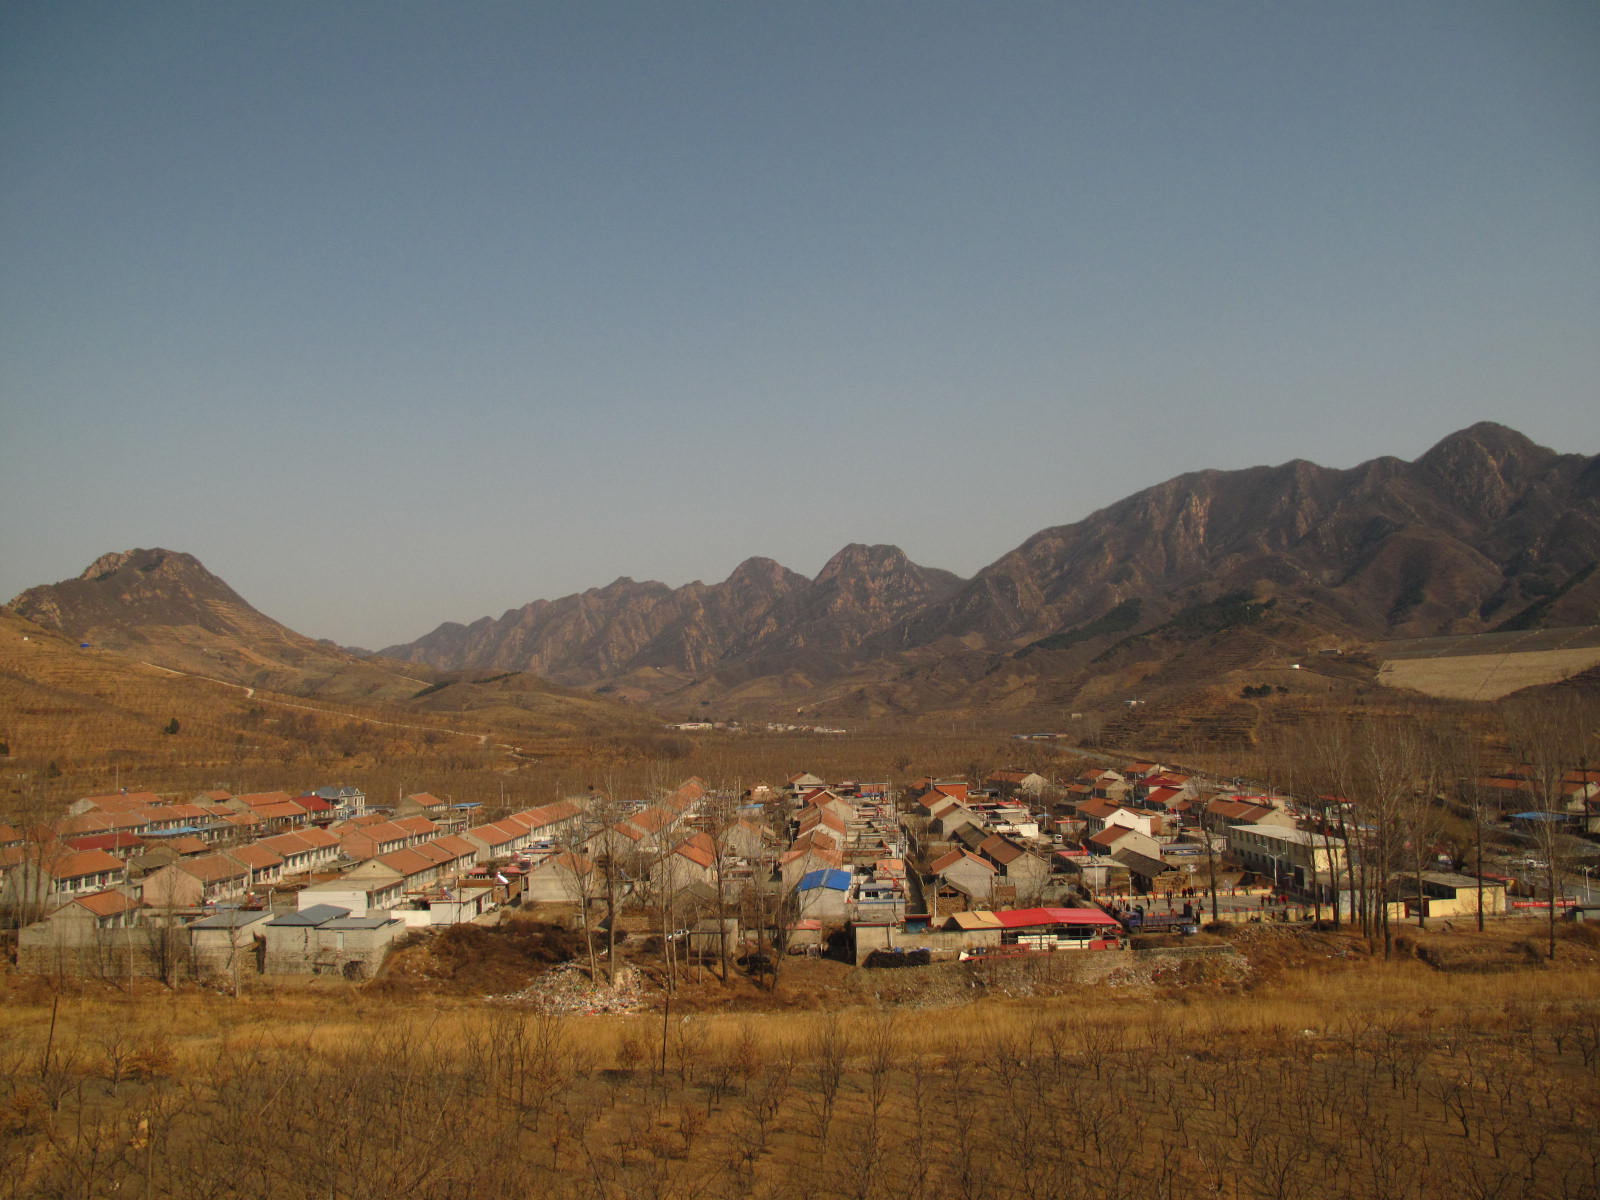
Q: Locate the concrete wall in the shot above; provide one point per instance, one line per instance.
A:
(316, 950)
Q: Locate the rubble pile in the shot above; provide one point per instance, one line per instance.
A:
(568, 989)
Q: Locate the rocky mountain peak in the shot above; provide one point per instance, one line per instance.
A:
(858, 558)
(170, 562)
(1484, 445)
(1485, 467)
(761, 572)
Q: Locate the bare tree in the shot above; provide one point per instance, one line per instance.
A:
(1466, 750)
(1551, 737)
(1422, 814)
(719, 813)
(614, 853)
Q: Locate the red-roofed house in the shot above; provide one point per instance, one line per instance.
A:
(564, 878)
(265, 866)
(1027, 872)
(43, 878)
(113, 802)
(303, 849)
(91, 934)
(193, 882)
(965, 870)
(1010, 782)
(379, 837)
(421, 804)
(693, 860)
(497, 840)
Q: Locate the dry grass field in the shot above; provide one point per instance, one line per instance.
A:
(1326, 1073)
(1485, 676)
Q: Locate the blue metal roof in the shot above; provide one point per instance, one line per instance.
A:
(317, 914)
(234, 918)
(832, 878)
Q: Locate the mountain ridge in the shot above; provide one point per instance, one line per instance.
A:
(1179, 585)
(1482, 527)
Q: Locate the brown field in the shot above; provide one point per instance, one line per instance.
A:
(1486, 676)
(1326, 1073)
(80, 722)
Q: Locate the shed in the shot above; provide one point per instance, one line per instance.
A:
(228, 940)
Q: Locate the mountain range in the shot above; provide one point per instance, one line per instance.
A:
(1197, 582)
(1485, 530)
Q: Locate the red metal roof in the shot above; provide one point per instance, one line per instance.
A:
(1020, 917)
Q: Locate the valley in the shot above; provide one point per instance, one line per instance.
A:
(885, 879)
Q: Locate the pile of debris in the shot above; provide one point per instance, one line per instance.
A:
(569, 989)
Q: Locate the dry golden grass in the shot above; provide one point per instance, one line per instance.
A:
(1350, 1080)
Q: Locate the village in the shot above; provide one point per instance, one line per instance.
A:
(226, 887)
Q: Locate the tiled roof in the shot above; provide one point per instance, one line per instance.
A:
(1142, 864)
(256, 856)
(699, 849)
(286, 844)
(257, 799)
(211, 868)
(434, 853)
(945, 861)
(653, 819)
(407, 862)
(110, 842)
(578, 864)
(288, 810)
(122, 801)
(78, 863)
(108, 903)
(1002, 850)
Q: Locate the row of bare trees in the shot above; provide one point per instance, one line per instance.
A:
(1396, 789)
(845, 1107)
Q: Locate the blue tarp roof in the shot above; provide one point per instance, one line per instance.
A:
(833, 878)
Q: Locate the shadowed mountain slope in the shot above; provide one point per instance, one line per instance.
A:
(762, 613)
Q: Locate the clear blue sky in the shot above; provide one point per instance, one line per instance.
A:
(395, 313)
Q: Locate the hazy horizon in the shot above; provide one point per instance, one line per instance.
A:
(394, 314)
